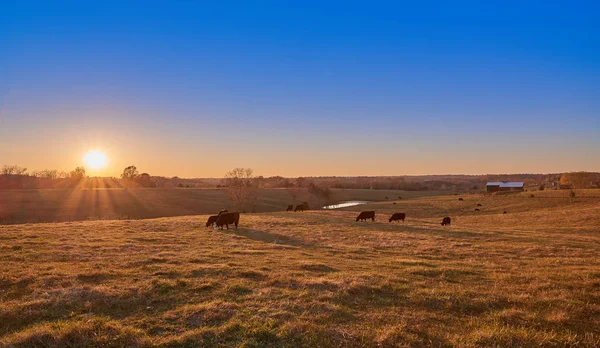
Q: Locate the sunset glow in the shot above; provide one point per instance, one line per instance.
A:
(95, 159)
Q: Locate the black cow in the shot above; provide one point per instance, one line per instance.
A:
(446, 221)
(504, 212)
(211, 220)
(290, 207)
(398, 217)
(479, 205)
(460, 199)
(301, 207)
(476, 209)
(227, 219)
(366, 215)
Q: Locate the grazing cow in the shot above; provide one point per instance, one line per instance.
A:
(290, 207)
(301, 207)
(446, 221)
(504, 212)
(227, 219)
(479, 205)
(211, 220)
(398, 217)
(460, 199)
(476, 209)
(222, 212)
(366, 215)
(394, 203)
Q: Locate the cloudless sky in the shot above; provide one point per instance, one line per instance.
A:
(300, 88)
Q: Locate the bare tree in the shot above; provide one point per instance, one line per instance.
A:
(46, 174)
(12, 170)
(241, 188)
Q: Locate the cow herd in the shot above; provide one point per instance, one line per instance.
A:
(365, 215)
(225, 218)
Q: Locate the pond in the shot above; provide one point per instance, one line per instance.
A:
(345, 204)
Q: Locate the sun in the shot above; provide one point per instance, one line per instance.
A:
(95, 159)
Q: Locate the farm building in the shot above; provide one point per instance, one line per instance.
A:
(505, 186)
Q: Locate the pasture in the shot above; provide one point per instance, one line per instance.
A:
(530, 277)
(63, 205)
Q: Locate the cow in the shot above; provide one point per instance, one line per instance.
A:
(398, 217)
(504, 212)
(301, 207)
(222, 212)
(479, 205)
(476, 209)
(394, 203)
(211, 220)
(290, 207)
(446, 221)
(227, 219)
(460, 199)
(366, 215)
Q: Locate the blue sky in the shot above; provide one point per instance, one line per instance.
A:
(302, 88)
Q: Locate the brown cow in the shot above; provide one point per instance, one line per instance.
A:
(211, 220)
(301, 207)
(227, 219)
(446, 221)
(290, 207)
(366, 215)
(460, 199)
(476, 209)
(479, 205)
(504, 212)
(398, 217)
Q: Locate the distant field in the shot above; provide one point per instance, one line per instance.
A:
(527, 278)
(59, 205)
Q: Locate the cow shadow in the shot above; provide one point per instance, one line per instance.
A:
(267, 237)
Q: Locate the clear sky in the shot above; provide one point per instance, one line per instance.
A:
(302, 88)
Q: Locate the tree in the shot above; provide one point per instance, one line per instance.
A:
(12, 170)
(77, 173)
(241, 187)
(145, 180)
(129, 173)
(46, 174)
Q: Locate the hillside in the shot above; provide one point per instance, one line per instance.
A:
(61, 205)
(530, 277)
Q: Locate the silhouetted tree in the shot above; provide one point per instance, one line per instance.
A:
(241, 187)
(77, 173)
(12, 170)
(129, 173)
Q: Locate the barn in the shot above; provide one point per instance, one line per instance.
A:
(505, 186)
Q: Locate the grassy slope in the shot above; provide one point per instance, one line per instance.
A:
(23, 206)
(527, 278)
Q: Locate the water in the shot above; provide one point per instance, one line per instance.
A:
(345, 204)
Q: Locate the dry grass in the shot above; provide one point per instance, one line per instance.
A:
(527, 278)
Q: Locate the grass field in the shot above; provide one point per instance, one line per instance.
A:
(62, 205)
(527, 278)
